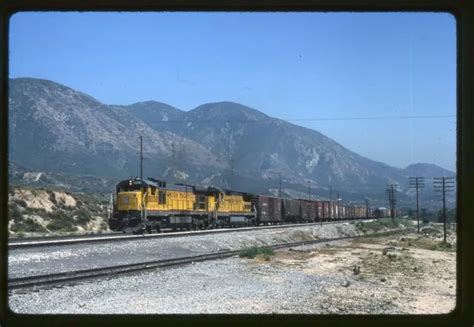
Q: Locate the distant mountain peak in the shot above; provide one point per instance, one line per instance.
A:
(429, 170)
(40, 86)
(152, 105)
(228, 109)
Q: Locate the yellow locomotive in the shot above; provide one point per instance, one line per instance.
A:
(153, 204)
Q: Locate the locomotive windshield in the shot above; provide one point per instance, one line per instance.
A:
(131, 186)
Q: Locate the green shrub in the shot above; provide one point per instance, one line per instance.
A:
(82, 217)
(62, 225)
(36, 211)
(14, 213)
(20, 234)
(380, 224)
(103, 226)
(441, 246)
(60, 221)
(254, 251)
(27, 226)
(21, 203)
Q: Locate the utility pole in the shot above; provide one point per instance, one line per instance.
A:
(231, 173)
(443, 184)
(330, 192)
(279, 189)
(141, 157)
(309, 190)
(141, 177)
(366, 208)
(417, 183)
(392, 199)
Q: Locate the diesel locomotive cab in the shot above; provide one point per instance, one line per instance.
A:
(129, 208)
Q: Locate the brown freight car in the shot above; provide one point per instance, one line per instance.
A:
(291, 210)
(340, 211)
(319, 210)
(332, 209)
(268, 209)
(308, 210)
(326, 211)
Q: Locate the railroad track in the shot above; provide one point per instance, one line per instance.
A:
(13, 240)
(114, 237)
(73, 276)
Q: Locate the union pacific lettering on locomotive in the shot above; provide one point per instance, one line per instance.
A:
(151, 205)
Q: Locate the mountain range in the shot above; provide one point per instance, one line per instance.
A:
(56, 129)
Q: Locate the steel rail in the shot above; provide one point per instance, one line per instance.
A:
(71, 276)
(112, 238)
(14, 240)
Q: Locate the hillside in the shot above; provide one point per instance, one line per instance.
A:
(54, 128)
(54, 211)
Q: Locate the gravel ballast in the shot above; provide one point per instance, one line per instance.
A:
(44, 260)
(312, 279)
(398, 274)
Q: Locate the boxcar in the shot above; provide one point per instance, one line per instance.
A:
(333, 210)
(308, 210)
(319, 210)
(304, 210)
(351, 212)
(269, 210)
(291, 210)
(326, 210)
(340, 211)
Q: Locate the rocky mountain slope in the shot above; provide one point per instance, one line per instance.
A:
(58, 130)
(55, 128)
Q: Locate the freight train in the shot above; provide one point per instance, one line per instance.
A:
(151, 205)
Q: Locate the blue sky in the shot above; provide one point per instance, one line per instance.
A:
(297, 66)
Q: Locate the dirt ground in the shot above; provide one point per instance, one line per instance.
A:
(409, 274)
